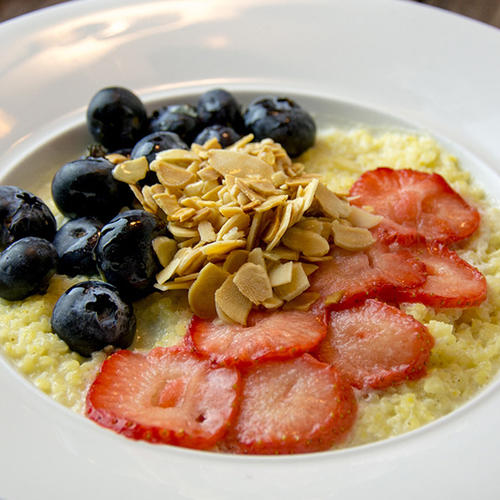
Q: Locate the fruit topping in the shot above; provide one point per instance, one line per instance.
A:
(86, 187)
(377, 272)
(294, 406)
(375, 345)
(169, 396)
(26, 267)
(124, 253)
(450, 281)
(416, 205)
(219, 107)
(268, 335)
(180, 119)
(116, 118)
(154, 143)
(23, 214)
(225, 135)
(284, 121)
(75, 242)
(91, 315)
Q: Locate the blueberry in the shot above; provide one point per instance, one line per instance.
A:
(26, 267)
(91, 315)
(23, 214)
(225, 135)
(282, 120)
(75, 242)
(125, 255)
(181, 119)
(86, 187)
(116, 118)
(154, 143)
(219, 107)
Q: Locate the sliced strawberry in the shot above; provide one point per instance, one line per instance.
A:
(451, 282)
(292, 406)
(375, 345)
(355, 276)
(415, 204)
(169, 396)
(280, 334)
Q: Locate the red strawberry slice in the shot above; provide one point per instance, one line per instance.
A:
(281, 334)
(169, 396)
(415, 204)
(451, 281)
(375, 345)
(292, 406)
(355, 276)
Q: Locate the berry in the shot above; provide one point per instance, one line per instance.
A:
(169, 396)
(284, 121)
(125, 255)
(416, 206)
(26, 267)
(75, 242)
(294, 406)
(23, 214)
(376, 345)
(116, 118)
(224, 135)
(86, 187)
(282, 334)
(154, 143)
(91, 315)
(181, 119)
(219, 107)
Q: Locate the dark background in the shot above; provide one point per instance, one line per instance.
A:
(487, 11)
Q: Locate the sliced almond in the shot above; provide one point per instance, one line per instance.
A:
(164, 249)
(256, 256)
(361, 218)
(297, 285)
(253, 282)
(334, 298)
(131, 171)
(167, 202)
(273, 303)
(303, 302)
(240, 221)
(351, 238)
(171, 175)
(330, 203)
(309, 268)
(116, 158)
(238, 164)
(222, 247)
(201, 294)
(284, 224)
(170, 285)
(281, 274)
(206, 231)
(182, 233)
(178, 156)
(232, 303)
(235, 260)
(308, 242)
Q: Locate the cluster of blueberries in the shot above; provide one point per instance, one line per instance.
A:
(101, 238)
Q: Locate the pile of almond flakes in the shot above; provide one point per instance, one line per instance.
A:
(248, 225)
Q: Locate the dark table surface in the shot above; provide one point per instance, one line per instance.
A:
(487, 11)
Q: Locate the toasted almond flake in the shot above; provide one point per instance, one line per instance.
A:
(361, 218)
(309, 268)
(116, 158)
(248, 192)
(131, 171)
(208, 174)
(167, 202)
(233, 234)
(242, 142)
(189, 243)
(187, 277)
(180, 156)
(229, 211)
(181, 233)
(278, 178)
(330, 203)
(171, 175)
(166, 273)
(171, 285)
(256, 256)
(297, 210)
(272, 228)
(235, 260)
(334, 298)
(205, 213)
(317, 259)
(212, 143)
(191, 261)
(298, 284)
(303, 180)
(149, 201)
(264, 187)
(309, 193)
(206, 231)
(351, 238)
(253, 282)
(232, 303)
(271, 202)
(228, 162)
(138, 194)
(254, 231)
(212, 194)
(164, 249)
(303, 302)
(282, 253)
(273, 303)
(201, 296)
(309, 243)
(242, 199)
(240, 221)
(183, 214)
(281, 274)
(285, 223)
(222, 247)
